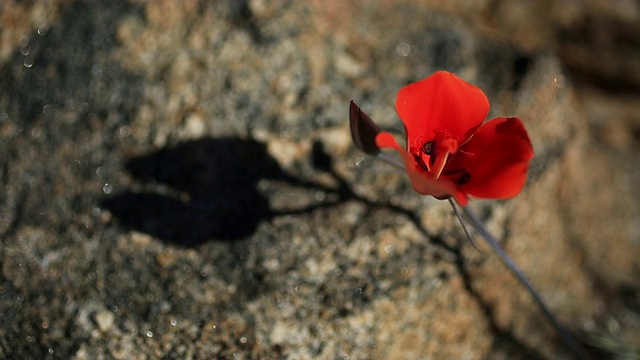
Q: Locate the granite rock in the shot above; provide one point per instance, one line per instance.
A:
(178, 182)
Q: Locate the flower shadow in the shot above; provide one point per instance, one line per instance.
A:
(207, 189)
(198, 190)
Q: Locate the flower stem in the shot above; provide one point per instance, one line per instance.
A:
(480, 228)
(391, 160)
(506, 260)
(464, 227)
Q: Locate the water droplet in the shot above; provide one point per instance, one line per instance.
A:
(25, 50)
(46, 109)
(50, 350)
(100, 171)
(319, 195)
(96, 70)
(174, 322)
(243, 340)
(388, 249)
(37, 133)
(560, 81)
(359, 291)
(43, 30)
(404, 270)
(403, 49)
(28, 62)
(44, 325)
(77, 165)
(345, 357)
(296, 288)
(83, 107)
(107, 188)
(23, 42)
(149, 334)
(124, 131)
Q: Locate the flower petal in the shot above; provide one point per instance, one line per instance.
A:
(386, 140)
(439, 188)
(496, 160)
(363, 130)
(440, 105)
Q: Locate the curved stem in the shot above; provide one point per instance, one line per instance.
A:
(391, 160)
(515, 270)
(464, 227)
(506, 260)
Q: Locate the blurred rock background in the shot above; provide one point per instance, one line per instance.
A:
(178, 181)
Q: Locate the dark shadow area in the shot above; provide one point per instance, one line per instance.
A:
(242, 17)
(58, 89)
(201, 190)
(66, 66)
(601, 50)
(206, 190)
(57, 86)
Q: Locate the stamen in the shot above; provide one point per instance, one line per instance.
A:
(441, 153)
(420, 161)
(439, 165)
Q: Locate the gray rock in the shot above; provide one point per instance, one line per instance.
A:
(178, 182)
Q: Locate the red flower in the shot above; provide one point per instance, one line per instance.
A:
(450, 152)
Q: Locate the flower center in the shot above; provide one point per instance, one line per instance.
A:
(434, 155)
(464, 178)
(428, 148)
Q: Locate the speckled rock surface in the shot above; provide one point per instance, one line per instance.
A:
(178, 181)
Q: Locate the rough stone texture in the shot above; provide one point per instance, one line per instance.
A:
(178, 181)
